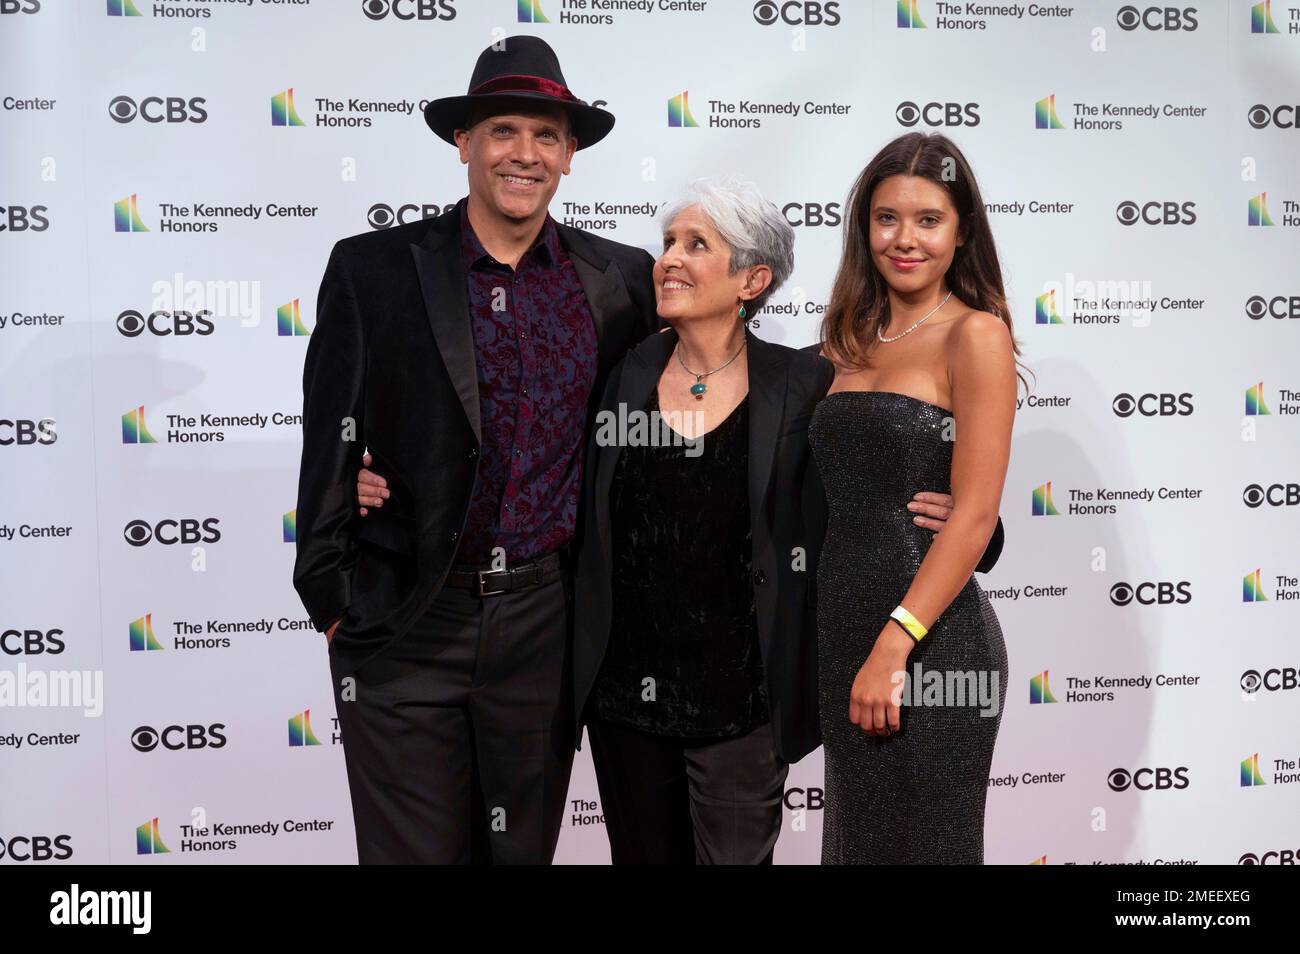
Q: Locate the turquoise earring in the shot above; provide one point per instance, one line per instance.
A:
(742, 311)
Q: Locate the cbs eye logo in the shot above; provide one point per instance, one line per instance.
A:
(1146, 779)
(381, 216)
(1129, 212)
(139, 533)
(1279, 306)
(158, 109)
(1275, 495)
(122, 109)
(1162, 593)
(1119, 780)
(1130, 18)
(132, 324)
(144, 739)
(1261, 117)
(409, 9)
(176, 737)
(797, 13)
(1251, 681)
(908, 114)
(1152, 405)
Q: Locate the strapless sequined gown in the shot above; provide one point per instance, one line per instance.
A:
(917, 796)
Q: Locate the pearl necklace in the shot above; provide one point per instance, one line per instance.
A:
(881, 336)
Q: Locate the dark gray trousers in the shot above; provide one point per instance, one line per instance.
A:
(458, 738)
(679, 802)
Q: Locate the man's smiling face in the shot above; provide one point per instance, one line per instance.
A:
(516, 155)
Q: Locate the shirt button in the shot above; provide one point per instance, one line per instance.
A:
(519, 453)
(473, 453)
(759, 577)
(507, 508)
(455, 535)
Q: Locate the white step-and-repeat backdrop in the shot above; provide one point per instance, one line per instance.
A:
(175, 172)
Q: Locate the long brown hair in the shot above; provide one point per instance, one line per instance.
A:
(859, 304)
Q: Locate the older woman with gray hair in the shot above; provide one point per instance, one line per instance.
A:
(694, 650)
(695, 638)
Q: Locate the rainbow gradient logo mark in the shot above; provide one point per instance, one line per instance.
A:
(1040, 692)
(679, 111)
(1250, 776)
(126, 215)
(909, 18)
(142, 639)
(530, 11)
(1252, 588)
(1261, 18)
(1041, 860)
(282, 111)
(1255, 401)
(122, 8)
(134, 428)
(289, 526)
(148, 841)
(1045, 312)
(300, 732)
(1257, 211)
(288, 321)
(1042, 502)
(1045, 114)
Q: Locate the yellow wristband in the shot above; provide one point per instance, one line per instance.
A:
(909, 623)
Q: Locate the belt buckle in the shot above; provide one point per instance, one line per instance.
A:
(482, 576)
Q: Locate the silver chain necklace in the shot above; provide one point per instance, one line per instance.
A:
(699, 387)
(881, 336)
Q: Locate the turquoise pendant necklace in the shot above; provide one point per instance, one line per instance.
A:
(699, 387)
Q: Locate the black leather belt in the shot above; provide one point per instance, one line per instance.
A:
(486, 581)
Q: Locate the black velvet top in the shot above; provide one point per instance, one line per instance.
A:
(683, 657)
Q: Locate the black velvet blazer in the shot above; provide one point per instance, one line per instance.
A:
(391, 366)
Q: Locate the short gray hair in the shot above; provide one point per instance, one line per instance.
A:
(754, 229)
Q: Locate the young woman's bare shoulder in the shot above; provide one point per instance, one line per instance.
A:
(980, 330)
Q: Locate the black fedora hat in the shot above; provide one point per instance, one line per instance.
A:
(522, 68)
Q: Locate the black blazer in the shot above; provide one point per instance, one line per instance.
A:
(787, 510)
(391, 367)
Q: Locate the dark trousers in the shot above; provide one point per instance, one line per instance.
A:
(680, 802)
(459, 737)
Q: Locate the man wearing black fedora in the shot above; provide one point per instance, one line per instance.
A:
(463, 352)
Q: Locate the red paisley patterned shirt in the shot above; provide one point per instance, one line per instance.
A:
(535, 351)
